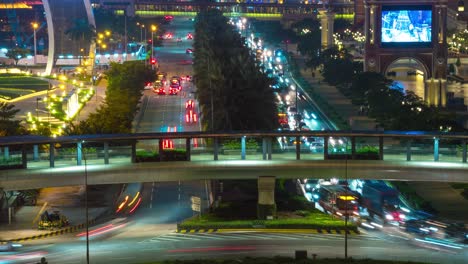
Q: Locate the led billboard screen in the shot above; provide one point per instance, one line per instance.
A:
(406, 25)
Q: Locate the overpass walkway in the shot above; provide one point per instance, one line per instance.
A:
(36, 162)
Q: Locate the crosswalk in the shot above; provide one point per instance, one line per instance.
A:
(180, 237)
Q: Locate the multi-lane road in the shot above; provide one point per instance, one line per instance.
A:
(149, 233)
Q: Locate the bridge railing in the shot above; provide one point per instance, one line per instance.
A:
(43, 152)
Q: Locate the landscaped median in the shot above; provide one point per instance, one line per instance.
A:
(299, 222)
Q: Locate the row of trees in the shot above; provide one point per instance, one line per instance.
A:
(232, 91)
(393, 109)
(126, 83)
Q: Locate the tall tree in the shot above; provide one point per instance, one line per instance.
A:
(9, 126)
(81, 31)
(16, 54)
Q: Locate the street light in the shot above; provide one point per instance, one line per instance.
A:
(461, 6)
(153, 29)
(35, 27)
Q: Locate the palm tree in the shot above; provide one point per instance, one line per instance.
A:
(83, 32)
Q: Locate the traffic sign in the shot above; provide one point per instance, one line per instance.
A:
(195, 200)
(196, 207)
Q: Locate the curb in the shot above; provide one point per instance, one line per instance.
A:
(268, 230)
(70, 229)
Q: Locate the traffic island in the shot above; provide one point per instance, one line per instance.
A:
(286, 222)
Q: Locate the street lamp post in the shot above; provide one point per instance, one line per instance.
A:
(35, 26)
(153, 29)
(141, 31)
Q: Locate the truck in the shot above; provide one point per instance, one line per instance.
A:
(338, 200)
(383, 201)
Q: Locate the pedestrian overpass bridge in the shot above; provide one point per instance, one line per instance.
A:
(35, 162)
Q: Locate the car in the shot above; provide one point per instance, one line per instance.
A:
(173, 91)
(190, 104)
(160, 91)
(189, 36)
(148, 86)
(168, 18)
(175, 83)
(168, 36)
(189, 51)
(191, 117)
(157, 84)
(316, 147)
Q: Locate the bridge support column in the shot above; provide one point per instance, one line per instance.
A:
(36, 153)
(51, 155)
(436, 149)
(270, 147)
(264, 148)
(243, 148)
(325, 147)
(79, 153)
(298, 148)
(266, 207)
(408, 150)
(215, 148)
(326, 24)
(6, 153)
(187, 148)
(24, 157)
(381, 149)
(106, 152)
(464, 151)
(133, 152)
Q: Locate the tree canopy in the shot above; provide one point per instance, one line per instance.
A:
(233, 93)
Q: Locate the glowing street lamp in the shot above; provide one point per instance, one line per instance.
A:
(461, 6)
(35, 27)
(153, 29)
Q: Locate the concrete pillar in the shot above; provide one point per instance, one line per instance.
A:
(264, 148)
(79, 153)
(436, 149)
(408, 150)
(134, 152)
(326, 23)
(187, 149)
(435, 92)
(270, 148)
(464, 151)
(24, 157)
(243, 148)
(381, 148)
(51, 155)
(266, 207)
(215, 148)
(106, 152)
(6, 153)
(298, 148)
(325, 147)
(36, 153)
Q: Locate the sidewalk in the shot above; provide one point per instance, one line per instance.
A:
(447, 201)
(336, 99)
(23, 226)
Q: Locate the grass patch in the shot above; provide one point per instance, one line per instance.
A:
(283, 260)
(307, 220)
(15, 85)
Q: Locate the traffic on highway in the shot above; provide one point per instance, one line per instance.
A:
(144, 216)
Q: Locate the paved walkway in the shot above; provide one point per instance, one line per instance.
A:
(447, 201)
(335, 98)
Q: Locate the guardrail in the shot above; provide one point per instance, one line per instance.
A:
(18, 152)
